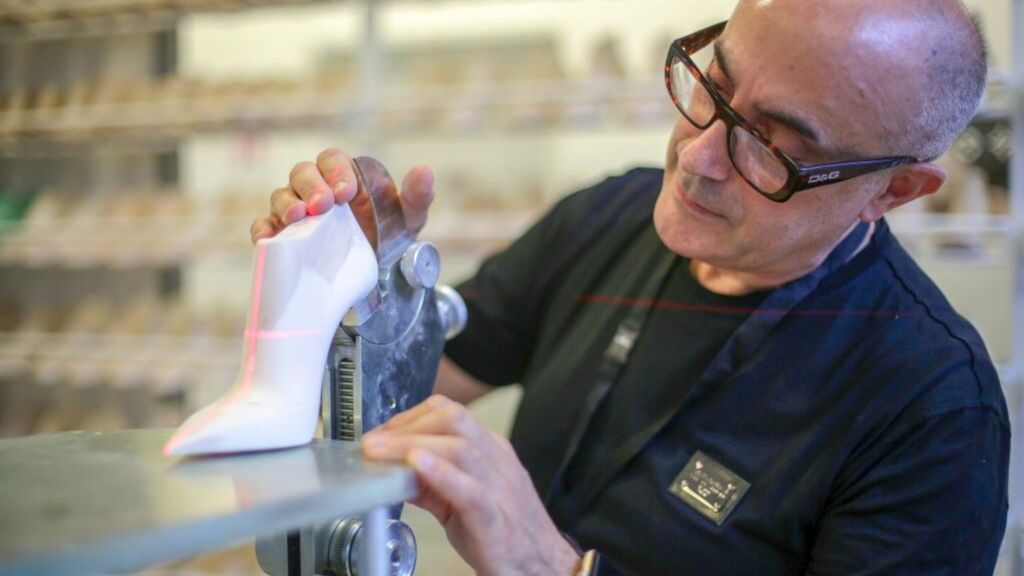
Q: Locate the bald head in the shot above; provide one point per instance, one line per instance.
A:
(910, 73)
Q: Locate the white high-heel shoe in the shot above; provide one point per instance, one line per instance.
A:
(304, 281)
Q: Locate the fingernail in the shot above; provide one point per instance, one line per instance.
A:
(334, 176)
(315, 205)
(295, 212)
(343, 189)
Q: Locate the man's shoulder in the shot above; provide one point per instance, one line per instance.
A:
(918, 340)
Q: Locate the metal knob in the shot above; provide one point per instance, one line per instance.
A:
(347, 540)
(453, 311)
(421, 265)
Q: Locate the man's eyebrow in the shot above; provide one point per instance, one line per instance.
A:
(799, 125)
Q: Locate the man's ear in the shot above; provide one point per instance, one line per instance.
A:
(907, 183)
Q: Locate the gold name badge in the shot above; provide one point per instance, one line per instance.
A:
(709, 488)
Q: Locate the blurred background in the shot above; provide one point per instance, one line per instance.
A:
(139, 138)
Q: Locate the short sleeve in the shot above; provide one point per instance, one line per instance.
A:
(504, 303)
(933, 502)
(509, 296)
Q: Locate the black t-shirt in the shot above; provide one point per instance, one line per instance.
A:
(691, 324)
(852, 423)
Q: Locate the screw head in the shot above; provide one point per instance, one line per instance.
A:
(421, 265)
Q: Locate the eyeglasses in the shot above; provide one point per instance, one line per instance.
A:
(766, 168)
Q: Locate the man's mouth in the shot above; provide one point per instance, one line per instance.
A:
(693, 205)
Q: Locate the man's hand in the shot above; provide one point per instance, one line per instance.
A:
(473, 483)
(314, 187)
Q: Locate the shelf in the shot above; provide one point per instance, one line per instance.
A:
(156, 115)
(46, 148)
(162, 364)
(30, 20)
(161, 347)
(176, 108)
(999, 91)
(169, 229)
(107, 362)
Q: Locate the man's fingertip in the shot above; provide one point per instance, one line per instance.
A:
(437, 401)
(375, 443)
(295, 212)
(344, 192)
(421, 460)
(317, 206)
(261, 233)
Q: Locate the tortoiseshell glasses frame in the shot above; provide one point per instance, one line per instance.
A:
(760, 152)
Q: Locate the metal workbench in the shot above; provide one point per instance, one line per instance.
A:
(99, 502)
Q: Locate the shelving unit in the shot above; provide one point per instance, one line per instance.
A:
(54, 375)
(176, 108)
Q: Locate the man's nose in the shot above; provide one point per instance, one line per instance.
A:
(707, 155)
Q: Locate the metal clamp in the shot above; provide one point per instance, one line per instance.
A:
(383, 360)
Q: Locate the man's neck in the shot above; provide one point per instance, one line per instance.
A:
(741, 282)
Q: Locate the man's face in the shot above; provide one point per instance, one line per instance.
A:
(792, 78)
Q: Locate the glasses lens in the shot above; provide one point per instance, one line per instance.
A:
(756, 162)
(692, 98)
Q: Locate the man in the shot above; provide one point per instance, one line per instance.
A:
(762, 381)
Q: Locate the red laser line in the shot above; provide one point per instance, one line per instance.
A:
(690, 307)
(254, 318)
(250, 357)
